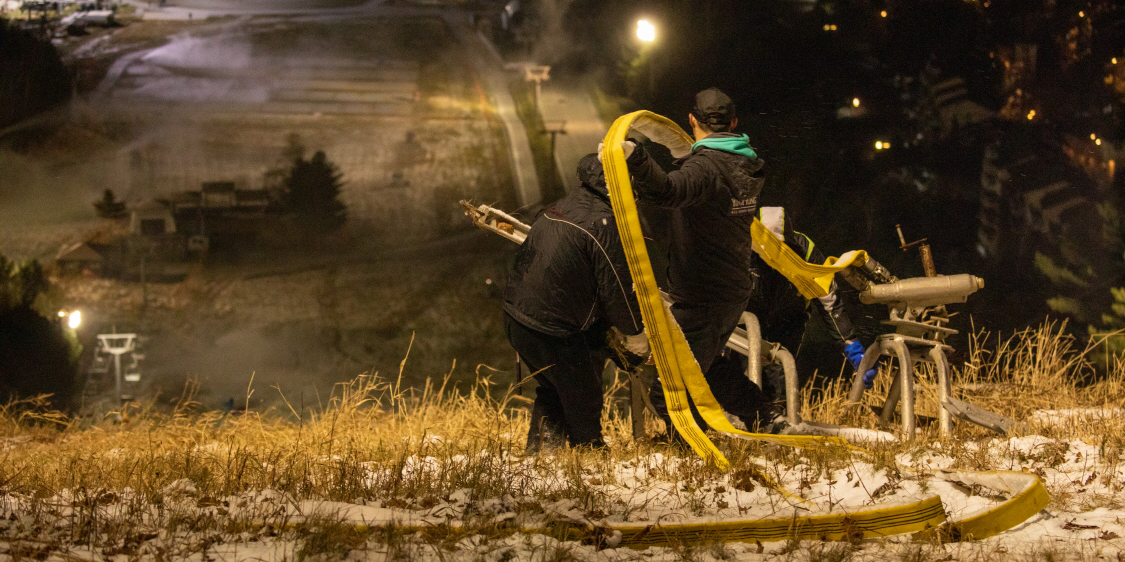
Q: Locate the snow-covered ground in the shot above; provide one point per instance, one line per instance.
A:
(1085, 520)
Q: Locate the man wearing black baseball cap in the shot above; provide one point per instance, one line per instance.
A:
(714, 193)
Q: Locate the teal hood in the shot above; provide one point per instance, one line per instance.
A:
(737, 145)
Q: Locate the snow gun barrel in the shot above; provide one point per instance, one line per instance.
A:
(919, 292)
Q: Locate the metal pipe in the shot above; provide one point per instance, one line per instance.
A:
(870, 357)
(902, 389)
(637, 406)
(924, 291)
(792, 385)
(927, 260)
(891, 402)
(753, 348)
(906, 387)
(945, 391)
(117, 377)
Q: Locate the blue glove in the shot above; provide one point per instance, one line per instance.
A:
(854, 350)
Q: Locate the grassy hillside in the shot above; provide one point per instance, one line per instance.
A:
(384, 472)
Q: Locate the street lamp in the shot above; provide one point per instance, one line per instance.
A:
(73, 318)
(646, 31)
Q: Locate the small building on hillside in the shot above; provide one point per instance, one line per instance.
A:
(151, 219)
(79, 258)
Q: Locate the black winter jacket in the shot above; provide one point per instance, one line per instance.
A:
(715, 194)
(571, 271)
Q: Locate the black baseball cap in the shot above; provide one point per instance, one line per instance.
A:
(713, 107)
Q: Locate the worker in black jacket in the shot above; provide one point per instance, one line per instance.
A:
(570, 284)
(782, 314)
(714, 193)
(781, 310)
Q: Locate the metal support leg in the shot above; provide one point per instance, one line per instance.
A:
(753, 348)
(874, 351)
(891, 403)
(637, 406)
(902, 389)
(792, 390)
(945, 391)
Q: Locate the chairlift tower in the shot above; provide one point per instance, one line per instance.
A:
(117, 345)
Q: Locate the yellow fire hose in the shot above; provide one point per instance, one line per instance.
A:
(681, 377)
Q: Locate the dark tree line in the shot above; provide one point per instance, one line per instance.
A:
(32, 77)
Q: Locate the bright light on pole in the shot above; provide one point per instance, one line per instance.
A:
(75, 319)
(646, 31)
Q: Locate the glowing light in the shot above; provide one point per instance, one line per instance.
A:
(883, 13)
(1031, 115)
(855, 102)
(1098, 142)
(1113, 60)
(882, 145)
(830, 27)
(62, 313)
(75, 319)
(1093, 136)
(1081, 14)
(646, 31)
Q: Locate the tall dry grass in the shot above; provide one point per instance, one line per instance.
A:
(1019, 375)
(164, 484)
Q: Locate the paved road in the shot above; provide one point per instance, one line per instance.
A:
(487, 63)
(567, 104)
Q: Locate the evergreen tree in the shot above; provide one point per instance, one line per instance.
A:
(312, 192)
(37, 354)
(108, 207)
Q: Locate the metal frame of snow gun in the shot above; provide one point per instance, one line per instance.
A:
(917, 312)
(747, 340)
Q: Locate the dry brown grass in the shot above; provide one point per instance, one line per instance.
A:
(112, 486)
(1038, 368)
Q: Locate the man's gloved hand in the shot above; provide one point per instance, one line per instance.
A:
(638, 344)
(854, 350)
(629, 352)
(627, 146)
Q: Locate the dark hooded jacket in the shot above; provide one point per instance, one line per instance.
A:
(715, 195)
(571, 271)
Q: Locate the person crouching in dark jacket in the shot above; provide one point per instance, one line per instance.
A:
(569, 285)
